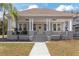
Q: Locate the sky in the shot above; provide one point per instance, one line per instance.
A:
(57, 6)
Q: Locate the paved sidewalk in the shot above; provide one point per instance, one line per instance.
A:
(39, 49)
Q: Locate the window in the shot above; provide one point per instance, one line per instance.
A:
(76, 29)
(39, 27)
(34, 27)
(66, 26)
(54, 27)
(44, 27)
(58, 25)
(25, 32)
(77, 20)
(24, 27)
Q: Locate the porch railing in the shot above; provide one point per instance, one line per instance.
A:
(20, 33)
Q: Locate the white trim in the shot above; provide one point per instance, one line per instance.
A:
(32, 24)
(55, 35)
(63, 26)
(29, 24)
(22, 27)
(70, 25)
(57, 26)
(47, 25)
(9, 25)
(9, 31)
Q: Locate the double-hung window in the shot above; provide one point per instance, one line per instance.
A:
(25, 27)
(56, 27)
(20, 27)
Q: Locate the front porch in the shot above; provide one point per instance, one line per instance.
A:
(32, 27)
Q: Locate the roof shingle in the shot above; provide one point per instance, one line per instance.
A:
(43, 12)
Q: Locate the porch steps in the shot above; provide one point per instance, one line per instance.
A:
(40, 38)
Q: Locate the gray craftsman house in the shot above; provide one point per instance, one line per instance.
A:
(43, 24)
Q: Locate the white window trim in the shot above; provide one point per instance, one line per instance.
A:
(27, 27)
(19, 26)
(56, 26)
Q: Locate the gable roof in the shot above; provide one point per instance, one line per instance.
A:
(43, 12)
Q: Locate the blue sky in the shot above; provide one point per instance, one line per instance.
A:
(44, 5)
(56, 6)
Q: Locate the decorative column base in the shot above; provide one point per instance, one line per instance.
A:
(31, 33)
(48, 35)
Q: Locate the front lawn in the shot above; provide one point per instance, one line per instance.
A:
(15, 49)
(64, 48)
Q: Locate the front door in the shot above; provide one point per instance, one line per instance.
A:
(39, 32)
(39, 28)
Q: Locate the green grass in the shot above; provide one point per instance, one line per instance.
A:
(64, 48)
(15, 49)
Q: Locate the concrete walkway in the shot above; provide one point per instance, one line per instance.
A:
(39, 49)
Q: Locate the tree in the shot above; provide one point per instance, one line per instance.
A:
(5, 26)
(6, 7)
(14, 15)
(0, 27)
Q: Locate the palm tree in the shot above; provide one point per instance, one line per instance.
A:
(6, 7)
(14, 15)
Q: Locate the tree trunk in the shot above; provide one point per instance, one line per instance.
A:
(17, 28)
(3, 32)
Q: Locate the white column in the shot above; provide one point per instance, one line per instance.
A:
(64, 26)
(32, 24)
(29, 24)
(47, 25)
(22, 26)
(70, 23)
(9, 26)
